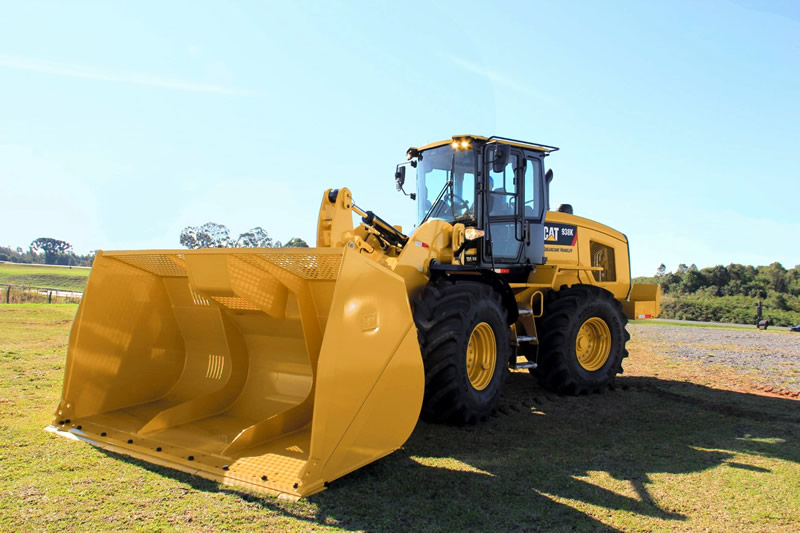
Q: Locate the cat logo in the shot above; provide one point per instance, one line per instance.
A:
(560, 234)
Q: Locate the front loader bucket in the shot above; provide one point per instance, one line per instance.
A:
(274, 369)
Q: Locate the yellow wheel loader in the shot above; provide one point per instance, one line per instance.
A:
(282, 369)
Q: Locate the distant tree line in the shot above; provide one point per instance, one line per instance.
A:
(46, 251)
(50, 251)
(213, 235)
(730, 293)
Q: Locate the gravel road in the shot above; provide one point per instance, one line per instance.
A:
(774, 354)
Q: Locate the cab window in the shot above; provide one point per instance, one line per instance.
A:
(503, 188)
(533, 189)
(438, 167)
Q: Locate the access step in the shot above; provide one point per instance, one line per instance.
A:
(521, 363)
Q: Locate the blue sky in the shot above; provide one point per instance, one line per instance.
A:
(123, 122)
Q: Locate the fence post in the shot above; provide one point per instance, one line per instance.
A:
(50, 297)
(8, 294)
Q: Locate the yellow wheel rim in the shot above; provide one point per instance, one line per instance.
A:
(481, 356)
(593, 344)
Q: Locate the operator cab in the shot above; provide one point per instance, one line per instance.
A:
(495, 185)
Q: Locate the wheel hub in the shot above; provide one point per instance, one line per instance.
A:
(481, 356)
(593, 344)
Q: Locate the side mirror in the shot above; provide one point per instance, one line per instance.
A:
(400, 177)
(548, 176)
(500, 158)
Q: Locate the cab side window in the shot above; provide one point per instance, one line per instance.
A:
(503, 189)
(533, 189)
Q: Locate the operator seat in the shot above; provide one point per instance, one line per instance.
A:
(497, 203)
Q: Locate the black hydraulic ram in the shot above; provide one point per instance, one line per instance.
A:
(387, 231)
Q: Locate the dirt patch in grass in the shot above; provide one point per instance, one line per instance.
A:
(675, 446)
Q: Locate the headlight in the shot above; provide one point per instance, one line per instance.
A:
(473, 233)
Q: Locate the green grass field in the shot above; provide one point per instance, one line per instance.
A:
(674, 447)
(51, 277)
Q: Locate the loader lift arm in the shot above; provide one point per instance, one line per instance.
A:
(335, 226)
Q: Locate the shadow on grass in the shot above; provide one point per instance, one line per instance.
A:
(510, 472)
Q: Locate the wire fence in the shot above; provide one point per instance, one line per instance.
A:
(23, 294)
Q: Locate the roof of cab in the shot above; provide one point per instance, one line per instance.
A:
(512, 142)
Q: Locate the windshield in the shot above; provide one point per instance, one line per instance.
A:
(435, 169)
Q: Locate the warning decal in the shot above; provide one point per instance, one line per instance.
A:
(560, 234)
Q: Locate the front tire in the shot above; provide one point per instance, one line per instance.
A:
(583, 339)
(465, 342)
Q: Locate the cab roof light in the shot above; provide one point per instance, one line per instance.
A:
(460, 143)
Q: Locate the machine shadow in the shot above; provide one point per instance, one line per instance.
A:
(510, 472)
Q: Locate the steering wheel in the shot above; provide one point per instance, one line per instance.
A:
(460, 204)
(443, 206)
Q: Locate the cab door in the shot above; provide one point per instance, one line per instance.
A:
(503, 219)
(534, 202)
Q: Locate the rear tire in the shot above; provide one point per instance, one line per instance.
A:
(465, 342)
(583, 339)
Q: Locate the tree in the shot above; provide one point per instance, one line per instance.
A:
(718, 277)
(693, 281)
(670, 282)
(213, 235)
(775, 276)
(296, 242)
(255, 238)
(209, 235)
(778, 301)
(662, 269)
(682, 269)
(794, 287)
(52, 248)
